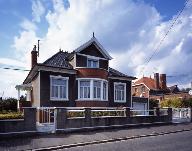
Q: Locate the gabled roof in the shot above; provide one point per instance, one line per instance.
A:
(60, 60)
(115, 73)
(174, 89)
(149, 82)
(94, 41)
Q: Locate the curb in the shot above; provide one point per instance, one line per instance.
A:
(107, 141)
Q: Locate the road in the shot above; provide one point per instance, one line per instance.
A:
(181, 141)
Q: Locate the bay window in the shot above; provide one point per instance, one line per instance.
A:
(97, 89)
(92, 89)
(85, 89)
(120, 92)
(58, 88)
(104, 90)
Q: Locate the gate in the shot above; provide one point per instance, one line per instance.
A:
(181, 115)
(45, 119)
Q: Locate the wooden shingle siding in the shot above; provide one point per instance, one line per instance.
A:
(45, 90)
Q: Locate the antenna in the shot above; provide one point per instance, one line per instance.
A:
(93, 34)
(38, 48)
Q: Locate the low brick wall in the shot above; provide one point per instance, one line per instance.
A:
(20, 125)
(64, 123)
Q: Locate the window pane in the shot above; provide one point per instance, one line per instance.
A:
(81, 92)
(92, 63)
(104, 90)
(58, 88)
(89, 63)
(97, 89)
(119, 92)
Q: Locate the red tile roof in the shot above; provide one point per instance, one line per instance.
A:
(149, 82)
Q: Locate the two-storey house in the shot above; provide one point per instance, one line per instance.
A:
(81, 78)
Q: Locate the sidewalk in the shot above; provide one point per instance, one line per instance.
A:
(43, 141)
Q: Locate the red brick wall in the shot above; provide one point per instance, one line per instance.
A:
(91, 103)
(92, 73)
(139, 92)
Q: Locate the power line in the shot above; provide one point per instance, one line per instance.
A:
(162, 40)
(14, 69)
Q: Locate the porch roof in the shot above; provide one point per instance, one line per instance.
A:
(24, 87)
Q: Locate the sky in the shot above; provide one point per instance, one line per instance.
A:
(130, 30)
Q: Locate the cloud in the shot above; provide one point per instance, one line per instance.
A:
(37, 10)
(129, 30)
(11, 62)
(28, 25)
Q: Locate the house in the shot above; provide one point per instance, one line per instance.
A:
(81, 78)
(156, 88)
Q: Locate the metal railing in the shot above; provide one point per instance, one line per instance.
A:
(181, 113)
(45, 115)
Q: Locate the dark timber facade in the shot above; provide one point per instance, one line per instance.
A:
(81, 78)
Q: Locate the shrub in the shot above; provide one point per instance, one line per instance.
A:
(153, 103)
(172, 102)
(9, 104)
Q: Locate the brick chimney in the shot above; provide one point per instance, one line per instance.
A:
(156, 78)
(163, 81)
(34, 57)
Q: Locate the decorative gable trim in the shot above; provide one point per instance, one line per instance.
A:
(134, 85)
(94, 41)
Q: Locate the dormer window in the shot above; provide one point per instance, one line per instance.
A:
(92, 63)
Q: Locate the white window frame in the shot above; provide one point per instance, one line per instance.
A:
(106, 91)
(120, 101)
(67, 86)
(92, 59)
(79, 89)
(92, 89)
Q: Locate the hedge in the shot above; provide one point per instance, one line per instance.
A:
(11, 115)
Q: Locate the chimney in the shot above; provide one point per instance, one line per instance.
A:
(163, 81)
(34, 57)
(156, 78)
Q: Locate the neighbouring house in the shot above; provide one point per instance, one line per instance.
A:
(81, 78)
(156, 88)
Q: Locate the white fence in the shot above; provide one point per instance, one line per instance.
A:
(46, 116)
(181, 115)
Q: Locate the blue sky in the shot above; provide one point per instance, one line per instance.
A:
(128, 29)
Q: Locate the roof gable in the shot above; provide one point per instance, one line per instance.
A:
(149, 82)
(99, 47)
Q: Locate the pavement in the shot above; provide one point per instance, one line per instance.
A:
(60, 141)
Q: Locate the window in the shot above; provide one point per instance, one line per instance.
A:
(136, 90)
(97, 89)
(120, 92)
(84, 89)
(143, 89)
(104, 90)
(92, 63)
(58, 88)
(92, 89)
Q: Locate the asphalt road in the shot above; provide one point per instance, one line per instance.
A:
(181, 141)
